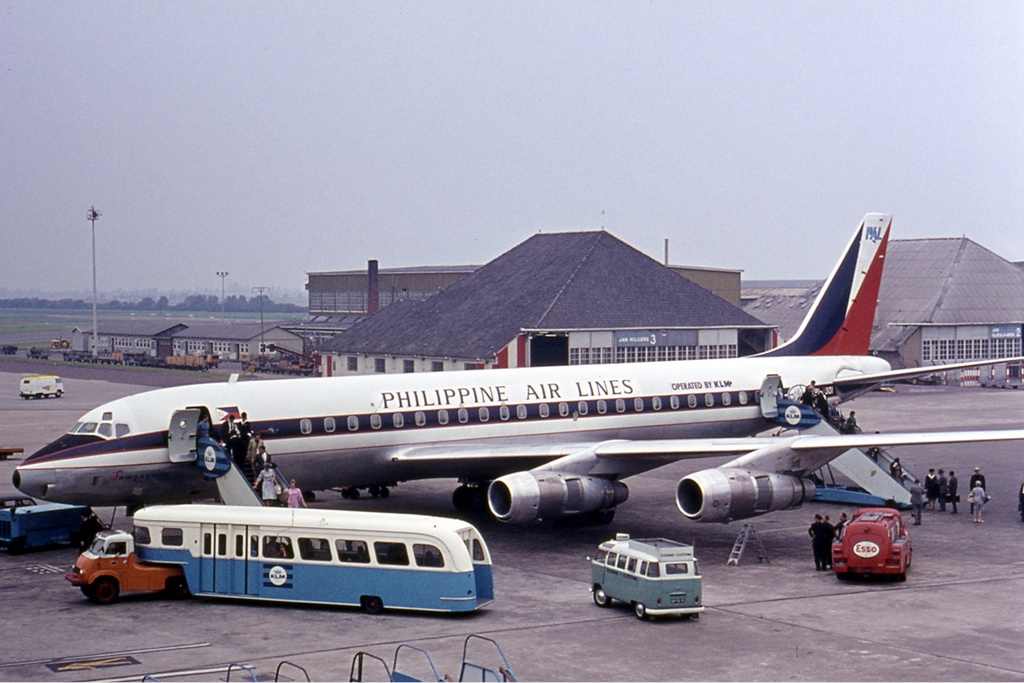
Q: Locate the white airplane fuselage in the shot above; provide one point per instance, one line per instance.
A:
(382, 429)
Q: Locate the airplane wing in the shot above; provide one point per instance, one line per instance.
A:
(855, 385)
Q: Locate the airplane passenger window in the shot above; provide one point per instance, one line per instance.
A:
(503, 412)
(421, 418)
(352, 551)
(484, 414)
(602, 407)
(674, 402)
(521, 412)
(329, 424)
(305, 425)
(620, 405)
(726, 398)
(427, 555)
(391, 553)
(398, 420)
(106, 429)
(375, 421)
(691, 401)
(638, 405)
(543, 410)
(709, 400)
(656, 403)
(353, 423)
(563, 409)
(442, 417)
(121, 429)
(172, 536)
(463, 415)
(581, 407)
(743, 398)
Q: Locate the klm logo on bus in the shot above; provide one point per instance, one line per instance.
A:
(873, 233)
(277, 576)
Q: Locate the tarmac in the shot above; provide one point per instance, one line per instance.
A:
(956, 618)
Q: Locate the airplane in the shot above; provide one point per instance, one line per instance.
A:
(528, 443)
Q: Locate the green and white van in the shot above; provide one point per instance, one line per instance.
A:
(654, 575)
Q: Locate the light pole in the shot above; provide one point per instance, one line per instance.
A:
(92, 217)
(260, 291)
(222, 274)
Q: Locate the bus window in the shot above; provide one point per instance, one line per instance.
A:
(601, 556)
(621, 564)
(239, 545)
(352, 551)
(278, 547)
(676, 568)
(427, 555)
(171, 537)
(611, 559)
(643, 568)
(207, 544)
(478, 551)
(389, 552)
(254, 546)
(631, 565)
(222, 545)
(142, 535)
(653, 571)
(315, 549)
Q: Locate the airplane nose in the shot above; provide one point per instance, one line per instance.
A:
(31, 483)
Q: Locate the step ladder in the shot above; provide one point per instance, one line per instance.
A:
(747, 534)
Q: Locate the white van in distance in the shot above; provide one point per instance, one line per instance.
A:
(42, 386)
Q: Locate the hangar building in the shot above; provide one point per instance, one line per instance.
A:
(942, 300)
(555, 299)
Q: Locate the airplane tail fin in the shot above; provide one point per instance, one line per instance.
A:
(839, 323)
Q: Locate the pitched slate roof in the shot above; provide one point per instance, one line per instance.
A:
(552, 281)
(948, 281)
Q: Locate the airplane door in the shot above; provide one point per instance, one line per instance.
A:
(181, 435)
(770, 396)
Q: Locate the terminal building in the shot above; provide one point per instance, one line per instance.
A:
(941, 300)
(161, 337)
(555, 299)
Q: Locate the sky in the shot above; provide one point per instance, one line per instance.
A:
(272, 139)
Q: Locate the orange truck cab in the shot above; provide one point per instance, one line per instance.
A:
(109, 567)
(874, 541)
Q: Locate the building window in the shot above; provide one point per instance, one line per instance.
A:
(408, 366)
(353, 364)
(378, 365)
(437, 366)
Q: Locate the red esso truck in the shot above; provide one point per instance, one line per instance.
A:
(874, 541)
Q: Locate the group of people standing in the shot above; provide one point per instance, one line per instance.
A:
(942, 490)
(822, 534)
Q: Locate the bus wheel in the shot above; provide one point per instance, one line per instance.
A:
(601, 598)
(88, 592)
(105, 590)
(372, 604)
(902, 576)
(177, 588)
(640, 609)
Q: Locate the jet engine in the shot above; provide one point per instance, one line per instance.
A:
(727, 494)
(524, 497)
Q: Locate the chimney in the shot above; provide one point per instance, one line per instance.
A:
(373, 288)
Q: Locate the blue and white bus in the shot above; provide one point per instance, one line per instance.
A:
(373, 560)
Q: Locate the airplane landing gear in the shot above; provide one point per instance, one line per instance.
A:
(470, 498)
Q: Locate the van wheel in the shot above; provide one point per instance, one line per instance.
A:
(902, 576)
(601, 598)
(640, 609)
(105, 590)
(59, 394)
(372, 604)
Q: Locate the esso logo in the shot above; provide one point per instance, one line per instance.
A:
(209, 459)
(866, 549)
(793, 415)
(277, 575)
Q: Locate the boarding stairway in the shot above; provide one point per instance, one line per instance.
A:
(868, 468)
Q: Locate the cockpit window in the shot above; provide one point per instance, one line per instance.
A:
(108, 416)
(74, 430)
(121, 429)
(86, 428)
(106, 429)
